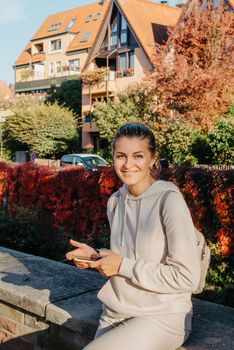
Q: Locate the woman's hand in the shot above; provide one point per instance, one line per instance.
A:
(109, 263)
(83, 250)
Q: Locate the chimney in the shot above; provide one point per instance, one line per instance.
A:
(181, 3)
(101, 2)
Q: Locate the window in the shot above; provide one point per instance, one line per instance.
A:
(95, 18)
(123, 38)
(78, 161)
(114, 32)
(51, 72)
(55, 45)
(74, 65)
(126, 64)
(54, 26)
(58, 66)
(85, 37)
(88, 18)
(123, 31)
(70, 25)
(131, 59)
(123, 23)
(67, 160)
(39, 70)
(123, 61)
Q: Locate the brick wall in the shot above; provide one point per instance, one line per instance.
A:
(21, 330)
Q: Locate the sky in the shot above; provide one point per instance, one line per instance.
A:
(20, 19)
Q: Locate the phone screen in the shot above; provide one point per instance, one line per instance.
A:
(84, 259)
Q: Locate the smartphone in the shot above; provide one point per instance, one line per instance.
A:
(84, 259)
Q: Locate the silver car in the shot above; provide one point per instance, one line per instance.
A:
(90, 161)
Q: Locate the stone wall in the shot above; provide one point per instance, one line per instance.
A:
(46, 305)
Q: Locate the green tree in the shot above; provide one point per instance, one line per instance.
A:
(42, 128)
(221, 141)
(69, 94)
(174, 143)
(133, 104)
(200, 147)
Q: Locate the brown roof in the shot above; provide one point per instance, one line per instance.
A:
(231, 2)
(5, 91)
(149, 21)
(26, 57)
(80, 27)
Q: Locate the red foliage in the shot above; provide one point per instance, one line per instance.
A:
(74, 200)
(194, 75)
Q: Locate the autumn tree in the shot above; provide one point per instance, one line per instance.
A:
(42, 128)
(193, 79)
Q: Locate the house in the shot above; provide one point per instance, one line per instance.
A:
(59, 49)
(116, 37)
(6, 91)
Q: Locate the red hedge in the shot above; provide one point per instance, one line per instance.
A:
(75, 199)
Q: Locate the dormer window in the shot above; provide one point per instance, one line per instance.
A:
(88, 18)
(71, 24)
(54, 26)
(97, 16)
(85, 37)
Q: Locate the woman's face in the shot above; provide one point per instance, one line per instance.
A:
(132, 162)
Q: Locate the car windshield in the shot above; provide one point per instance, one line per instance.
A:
(95, 161)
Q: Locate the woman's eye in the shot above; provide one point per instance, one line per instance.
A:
(119, 156)
(139, 156)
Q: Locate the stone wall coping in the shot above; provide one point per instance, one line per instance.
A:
(66, 296)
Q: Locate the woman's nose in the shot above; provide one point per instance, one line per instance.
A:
(128, 162)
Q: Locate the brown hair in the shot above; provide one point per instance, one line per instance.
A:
(144, 132)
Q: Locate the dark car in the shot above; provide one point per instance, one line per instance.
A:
(90, 161)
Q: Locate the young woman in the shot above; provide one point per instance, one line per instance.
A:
(153, 265)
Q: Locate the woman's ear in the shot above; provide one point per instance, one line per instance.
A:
(154, 159)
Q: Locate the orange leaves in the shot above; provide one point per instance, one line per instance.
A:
(225, 240)
(194, 76)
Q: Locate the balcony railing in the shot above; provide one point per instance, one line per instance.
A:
(68, 69)
(41, 84)
(124, 73)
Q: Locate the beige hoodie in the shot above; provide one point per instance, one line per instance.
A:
(159, 271)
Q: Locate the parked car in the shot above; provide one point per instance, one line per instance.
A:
(90, 161)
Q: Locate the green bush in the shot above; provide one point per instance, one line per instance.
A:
(32, 232)
(44, 129)
(221, 141)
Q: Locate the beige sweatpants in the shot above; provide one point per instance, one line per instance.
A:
(162, 332)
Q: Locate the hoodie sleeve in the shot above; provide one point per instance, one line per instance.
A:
(111, 204)
(181, 271)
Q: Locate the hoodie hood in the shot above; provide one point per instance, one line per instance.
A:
(158, 188)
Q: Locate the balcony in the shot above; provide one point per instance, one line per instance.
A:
(41, 84)
(125, 73)
(90, 127)
(101, 88)
(89, 123)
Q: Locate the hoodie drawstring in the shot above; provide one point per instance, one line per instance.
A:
(138, 224)
(125, 218)
(124, 224)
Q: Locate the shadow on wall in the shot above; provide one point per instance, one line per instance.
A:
(46, 305)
